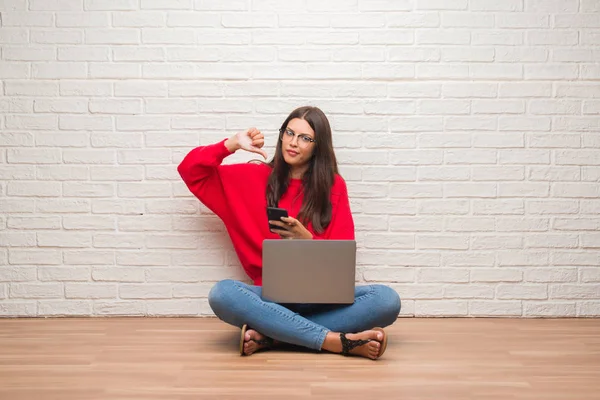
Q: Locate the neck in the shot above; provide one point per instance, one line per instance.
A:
(298, 172)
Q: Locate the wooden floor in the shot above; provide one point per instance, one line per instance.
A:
(137, 358)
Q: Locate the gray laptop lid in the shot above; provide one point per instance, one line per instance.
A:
(309, 271)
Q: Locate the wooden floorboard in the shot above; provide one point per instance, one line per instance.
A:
(196, 358)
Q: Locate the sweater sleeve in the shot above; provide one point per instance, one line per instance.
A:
(201, 172)
(342, 222)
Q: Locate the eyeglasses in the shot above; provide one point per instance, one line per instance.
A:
(303, 139)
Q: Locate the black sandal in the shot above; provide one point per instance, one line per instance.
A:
(262, 342)
(349, 344)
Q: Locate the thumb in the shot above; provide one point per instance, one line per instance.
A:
(258, 151)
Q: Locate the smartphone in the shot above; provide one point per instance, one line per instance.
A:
(275, 214)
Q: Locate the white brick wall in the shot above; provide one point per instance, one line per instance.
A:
(468, 132)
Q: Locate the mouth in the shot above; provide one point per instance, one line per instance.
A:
(292, 153)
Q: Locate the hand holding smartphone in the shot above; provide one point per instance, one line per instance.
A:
(275, 214)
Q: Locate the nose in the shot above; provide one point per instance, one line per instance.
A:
(294, 142)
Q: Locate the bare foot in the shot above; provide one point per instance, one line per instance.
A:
(370, 350)
(251, 338)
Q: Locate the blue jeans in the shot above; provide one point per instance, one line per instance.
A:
(303, 324)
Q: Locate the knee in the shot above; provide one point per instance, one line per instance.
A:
(219, 295)
(389, 303)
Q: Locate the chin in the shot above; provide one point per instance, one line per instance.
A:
(289, 160)
(292, 162)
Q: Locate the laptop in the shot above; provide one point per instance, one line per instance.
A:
(309, 271)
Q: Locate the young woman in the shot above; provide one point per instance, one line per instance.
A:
(303, 178)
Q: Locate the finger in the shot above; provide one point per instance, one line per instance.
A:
(258, 151)
(262, 153)
(282, 225)
(290, 221)
(250, 133)
(258, 143)
(253, 132)
(280, 231)
(284, 233)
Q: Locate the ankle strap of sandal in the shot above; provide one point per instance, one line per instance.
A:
(262, 342)
(266, 341)
(349, 344)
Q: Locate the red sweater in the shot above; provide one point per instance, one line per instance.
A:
(236, 193)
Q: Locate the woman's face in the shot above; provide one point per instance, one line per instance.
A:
(297, 143)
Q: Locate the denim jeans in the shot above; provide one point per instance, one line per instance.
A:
(303, 324)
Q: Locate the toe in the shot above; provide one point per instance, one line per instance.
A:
(374, 349)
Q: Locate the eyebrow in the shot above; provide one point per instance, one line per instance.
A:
(306, 134)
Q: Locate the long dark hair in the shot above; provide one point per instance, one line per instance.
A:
(318, 178)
